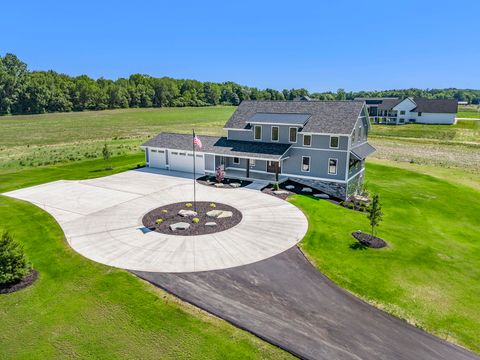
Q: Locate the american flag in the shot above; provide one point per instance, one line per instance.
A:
(197, 141)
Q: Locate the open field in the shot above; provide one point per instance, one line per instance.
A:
(469, 111)
(81, 309)
(429, 273)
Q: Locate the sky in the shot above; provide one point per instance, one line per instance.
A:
(317, 45)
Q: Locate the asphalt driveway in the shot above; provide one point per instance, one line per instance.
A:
(287, 302)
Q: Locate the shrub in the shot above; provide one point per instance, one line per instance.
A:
(164, 211)
(158, 221)
(213, 205)
(275, 186)
(219, 174)
(13, 263)
(195, 220)
(188, 205)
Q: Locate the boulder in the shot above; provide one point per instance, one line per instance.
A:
(290, 187)
(187, 213)
(235, 185)
(219, 214)
(281, 192)
(211, 223)
(179, 226)
(307, 190)
(214, 213)
(219, 185)
(322, 196)
(225, 214)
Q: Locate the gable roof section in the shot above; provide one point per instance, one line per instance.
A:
(220, 146)
(389, 104)
(327, 117)
(449, 106)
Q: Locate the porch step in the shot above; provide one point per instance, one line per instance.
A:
(257, 184)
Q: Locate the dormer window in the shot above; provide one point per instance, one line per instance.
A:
(257, 130)
(274, 133)
(307, 140)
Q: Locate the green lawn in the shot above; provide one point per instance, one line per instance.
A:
(469, 114)
(81, 309)
(33, 140)
(430, 272)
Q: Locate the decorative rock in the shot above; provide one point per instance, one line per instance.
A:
(281, 192)
(225, 214)
(307, 189)
(219, 214)
(186, 213)
(211, 223)
(290, 187)
(179, 226)
(322, 196)
(235, 185)
(214, 213)
(219, 185)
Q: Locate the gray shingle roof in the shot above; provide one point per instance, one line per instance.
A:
(389, 104)
(328, 117)
(449, 106)
(220, 146)
(362, 151)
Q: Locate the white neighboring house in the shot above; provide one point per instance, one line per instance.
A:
(397, 111)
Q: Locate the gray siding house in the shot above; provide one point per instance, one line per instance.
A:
(321, 144)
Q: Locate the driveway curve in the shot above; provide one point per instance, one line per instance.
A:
(287, 302)
(102, 220)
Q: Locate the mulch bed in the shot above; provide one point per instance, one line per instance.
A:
(27, 280)
(369, 240)
(202, 207)
(296, 190)
(227, 181)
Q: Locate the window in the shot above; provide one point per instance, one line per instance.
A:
(332, 166)
(305, 163)
(402, 120)
(307, 140)
(236, 160)
(402, 112)
(274, 133)
(293, 134)
(354, 135)
(420, 113)
(334, 142)
(174, 153)
(161, 151)
(252, 163)
(258, 132)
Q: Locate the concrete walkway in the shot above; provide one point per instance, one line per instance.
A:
(102, 220)
(287, 302)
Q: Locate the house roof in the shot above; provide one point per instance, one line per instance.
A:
(423, 105)
(220, 146)
(327, 117)
(362, 151)
(449, 106)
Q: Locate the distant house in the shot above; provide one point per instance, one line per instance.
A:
(398, 111)
(320, 144)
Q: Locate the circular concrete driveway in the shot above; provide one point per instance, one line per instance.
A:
(102, 220)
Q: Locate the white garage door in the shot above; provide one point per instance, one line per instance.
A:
(183, 161)
(157, 158)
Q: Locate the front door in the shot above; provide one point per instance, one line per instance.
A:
(272, 166)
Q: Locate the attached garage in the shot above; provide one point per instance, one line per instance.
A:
(183, 161)
(157, 158)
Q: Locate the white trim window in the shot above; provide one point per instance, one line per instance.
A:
(236, 160)
(292, 135)
(275, 133)
(252, 163)
(332, 166)
(307, 140)
(305, 164)
(257, 132)
(334, 142)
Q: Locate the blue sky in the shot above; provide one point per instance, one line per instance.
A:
(318, 45)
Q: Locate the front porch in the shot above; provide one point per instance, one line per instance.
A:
(241, 174)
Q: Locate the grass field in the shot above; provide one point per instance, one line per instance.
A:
(81, 309)
(469, 111)
(429, 273)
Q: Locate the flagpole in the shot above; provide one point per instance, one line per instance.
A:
(194, 181)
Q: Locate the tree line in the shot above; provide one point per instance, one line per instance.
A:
(34, 92)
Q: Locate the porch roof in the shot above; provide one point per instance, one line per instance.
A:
(362, 151)
(220, 146)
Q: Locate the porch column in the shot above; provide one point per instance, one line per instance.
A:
(248, 168)
(276, 170)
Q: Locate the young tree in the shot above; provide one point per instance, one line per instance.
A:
(106, 154)
(374, 213)
(13, 264)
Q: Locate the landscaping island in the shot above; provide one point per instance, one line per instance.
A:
(187, 219)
